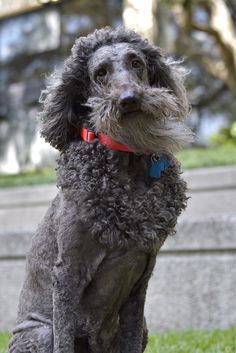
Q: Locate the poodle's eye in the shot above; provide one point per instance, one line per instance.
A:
(136, 64)
(101, 73)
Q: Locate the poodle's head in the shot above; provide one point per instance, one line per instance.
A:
(120, 85)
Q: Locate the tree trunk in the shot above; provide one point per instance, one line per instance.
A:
(220, 28)
(140, 15)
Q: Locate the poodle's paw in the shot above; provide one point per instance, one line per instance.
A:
(22, 346)
(32, 337)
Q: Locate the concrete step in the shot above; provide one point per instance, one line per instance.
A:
(192, 291)
(204, 234)
(27, 196)
(206, 203)
(21, 219)
(211, 190)
(213, 178)
(210, 202)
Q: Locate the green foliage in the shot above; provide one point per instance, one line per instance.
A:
(226, 136)
(190, 341)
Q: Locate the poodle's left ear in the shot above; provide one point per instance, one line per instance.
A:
(63, 101)
(167, 73)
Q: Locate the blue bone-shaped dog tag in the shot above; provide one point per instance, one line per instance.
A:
(158, 166)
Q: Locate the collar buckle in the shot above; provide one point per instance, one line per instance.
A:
(87, 135)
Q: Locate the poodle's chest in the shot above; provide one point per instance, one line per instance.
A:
(127, 213)
(116, 198)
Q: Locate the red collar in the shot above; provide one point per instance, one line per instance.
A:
(88, 136)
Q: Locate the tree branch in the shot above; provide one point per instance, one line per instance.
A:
(203, 28)
(216, 68)
(206, 100)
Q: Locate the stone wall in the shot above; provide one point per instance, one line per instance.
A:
(194, 282)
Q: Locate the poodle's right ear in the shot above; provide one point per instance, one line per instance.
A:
(63, 101)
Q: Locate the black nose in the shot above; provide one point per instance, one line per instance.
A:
(129, 100)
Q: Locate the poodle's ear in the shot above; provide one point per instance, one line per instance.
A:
(167, 73)
(63, 101)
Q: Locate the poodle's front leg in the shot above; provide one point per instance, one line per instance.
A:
(64, 310)
(72, 274)
(133, 330)
(78, 259)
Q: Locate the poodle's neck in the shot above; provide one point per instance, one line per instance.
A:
(88, 135)
(159, 162)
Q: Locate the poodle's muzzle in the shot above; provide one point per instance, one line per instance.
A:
(146, 119)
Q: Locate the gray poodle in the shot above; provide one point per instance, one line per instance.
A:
(116, 112)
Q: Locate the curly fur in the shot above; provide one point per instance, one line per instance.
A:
(93, 254)
(96, 172)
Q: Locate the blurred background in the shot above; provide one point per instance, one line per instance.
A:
(195, 284)
(37, 35)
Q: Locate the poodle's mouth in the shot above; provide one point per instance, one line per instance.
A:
(131, 114)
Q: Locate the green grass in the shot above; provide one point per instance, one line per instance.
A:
(179, 342)
(193, 342)
(37, 176)
(4, 339)
(189, 158)
(207, 157)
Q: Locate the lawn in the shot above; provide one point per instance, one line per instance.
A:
(4, 338)
(189, 158)
(207, 157)
(193, 342)
(34, 177)
(180, 342)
